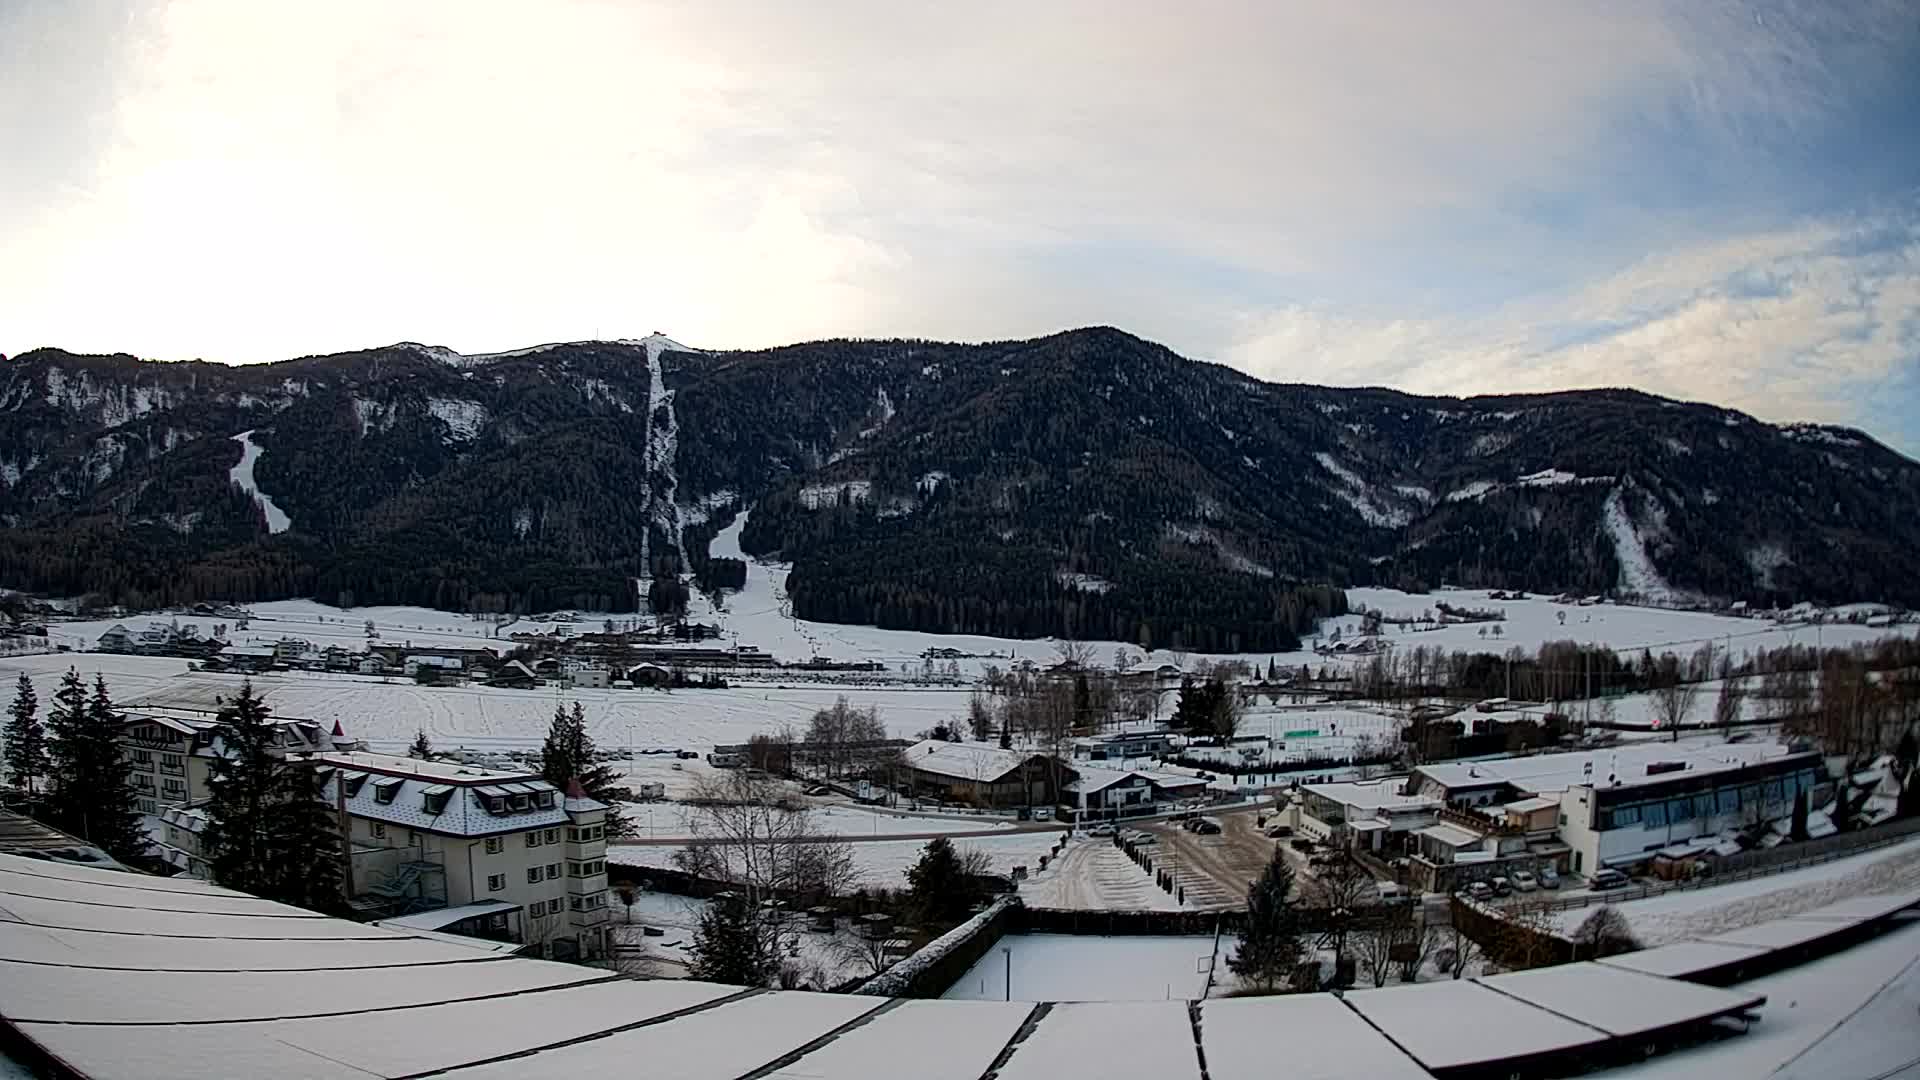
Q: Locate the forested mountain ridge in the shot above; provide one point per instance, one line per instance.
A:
(1087, 483)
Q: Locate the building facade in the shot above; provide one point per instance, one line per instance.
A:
(1624, 821)
(430, 834)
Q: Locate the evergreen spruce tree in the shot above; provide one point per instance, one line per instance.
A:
(304, 843)
(243, 787)
(1006, 737)
(569, 754)
(421, 748)
(91, 790)
(937, 884)
(65, 805)
(726, 948)
(25, 739)
(1269, 946)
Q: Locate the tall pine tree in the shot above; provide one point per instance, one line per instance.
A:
(1269, 945)
(421, 748)
(267, 831)
(90, 793)
(569, 754)
(26, 739)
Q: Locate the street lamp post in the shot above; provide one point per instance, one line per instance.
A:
(1008, 953)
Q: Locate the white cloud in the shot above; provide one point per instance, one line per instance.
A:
(1793, 325)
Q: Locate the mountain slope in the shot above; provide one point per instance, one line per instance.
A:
(1087, 483)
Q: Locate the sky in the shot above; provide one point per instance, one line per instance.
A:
(1709, 200)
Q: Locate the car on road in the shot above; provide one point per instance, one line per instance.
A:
(1607, 878)
(1102, 830)
(1139, 836)
(1549, 878)
(1206, 826)
(1279, 832)
(819, 789)
(1525, 881)
(1043, 813)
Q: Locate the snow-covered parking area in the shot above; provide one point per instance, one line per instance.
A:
(1074, 967)
(1716, 909)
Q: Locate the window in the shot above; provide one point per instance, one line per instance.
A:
(379, 830)
(533, 875)
(552, 836)
(350, 785)
(533, 838)
(496, 804)
(1727, 801)
(553, 871)
(586, 869)
(1655, 815)
(413, 838)
(1703, 805)
(495, 845)
(1679, 810)
(146, 806)
(436, 802)
(173, 787)
(385, 790)
(544, 800)
(496, 882)
(522, 802)
(143, 758)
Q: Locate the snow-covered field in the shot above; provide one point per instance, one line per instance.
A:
(1716, 909)
(1073, 967)
(878, 864)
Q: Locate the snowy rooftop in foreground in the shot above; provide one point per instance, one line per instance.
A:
(122, 975)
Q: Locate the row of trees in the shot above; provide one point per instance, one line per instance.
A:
(75, 777)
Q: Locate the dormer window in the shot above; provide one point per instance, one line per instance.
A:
(351, 782)
(522, 802)
(434, 799)
(385, 790)
(544, 800)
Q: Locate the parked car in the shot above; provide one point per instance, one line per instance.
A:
(1141, 836)
(1549, 878)
(1524, 881)
(1392, 891)
(1480, 890)
(819, 789)
(1203, 776)
(1043, 813)
(1607, 878)
(1502, 887)
(1106, 829)
(1206, 826)
(685, 755)
(1279, 832)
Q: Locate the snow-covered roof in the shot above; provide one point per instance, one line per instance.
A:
(1373, 795)
(1533, 805)
(1544, 773)
(123, 975)
(396, 791)
(441, 918)
(1450, 835)
(963, 761)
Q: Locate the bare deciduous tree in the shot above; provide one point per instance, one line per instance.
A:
(1728, 709)
(763, 847)
(1672, 701)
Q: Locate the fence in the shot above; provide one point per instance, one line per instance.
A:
(940, 963)
(1747, 866)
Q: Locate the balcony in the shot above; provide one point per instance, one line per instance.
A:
(172, 770)
(589, 918)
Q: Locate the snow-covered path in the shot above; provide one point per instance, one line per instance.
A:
(1093, 875)
(242, 474)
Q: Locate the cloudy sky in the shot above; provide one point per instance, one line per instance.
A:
(1712, 200)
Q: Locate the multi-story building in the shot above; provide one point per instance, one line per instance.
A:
(474, 844)
(170, 753)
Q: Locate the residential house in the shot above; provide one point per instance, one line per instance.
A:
(1376, 815)
(117, 639)
(981, 774)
